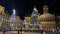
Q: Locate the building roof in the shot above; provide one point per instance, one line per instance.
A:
(47, 16)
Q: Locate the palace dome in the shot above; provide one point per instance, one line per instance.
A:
(47, 17)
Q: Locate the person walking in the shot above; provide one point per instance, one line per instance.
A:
(53, 31)
(44, 32)
(57, 31)
(4, 31)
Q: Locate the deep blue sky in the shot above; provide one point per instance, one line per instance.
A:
(24, 7)
(8, 4)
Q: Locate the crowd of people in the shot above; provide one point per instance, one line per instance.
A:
(53, 31)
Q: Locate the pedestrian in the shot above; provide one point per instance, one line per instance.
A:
(42, 31)
(53, 31)
(3, 30)
(57, 31)
(21, 31)
(18, 31)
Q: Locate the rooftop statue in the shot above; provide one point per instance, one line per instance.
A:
(1, 9)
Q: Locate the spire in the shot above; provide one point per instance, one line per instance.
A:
(35, 12)
(45, 8)
(13, 16)
(35, 8)
(14, 11)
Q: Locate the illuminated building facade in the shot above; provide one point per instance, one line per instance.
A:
(47, 19)
(13, 20)
(27, 22)
(33, 22)
(58, 21)
(4, 19)
(17, 24)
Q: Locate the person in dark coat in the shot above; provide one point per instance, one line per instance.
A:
(41, 31)
(57, 30)
(3, 30)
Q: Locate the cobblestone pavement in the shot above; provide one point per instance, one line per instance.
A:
(15, 32)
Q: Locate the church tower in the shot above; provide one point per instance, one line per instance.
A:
(34, 21)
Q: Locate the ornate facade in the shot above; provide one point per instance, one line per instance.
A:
(47, 19)
(58, 21)
(4, 19)
(33, 22)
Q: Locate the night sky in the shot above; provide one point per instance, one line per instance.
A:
(24, 7)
